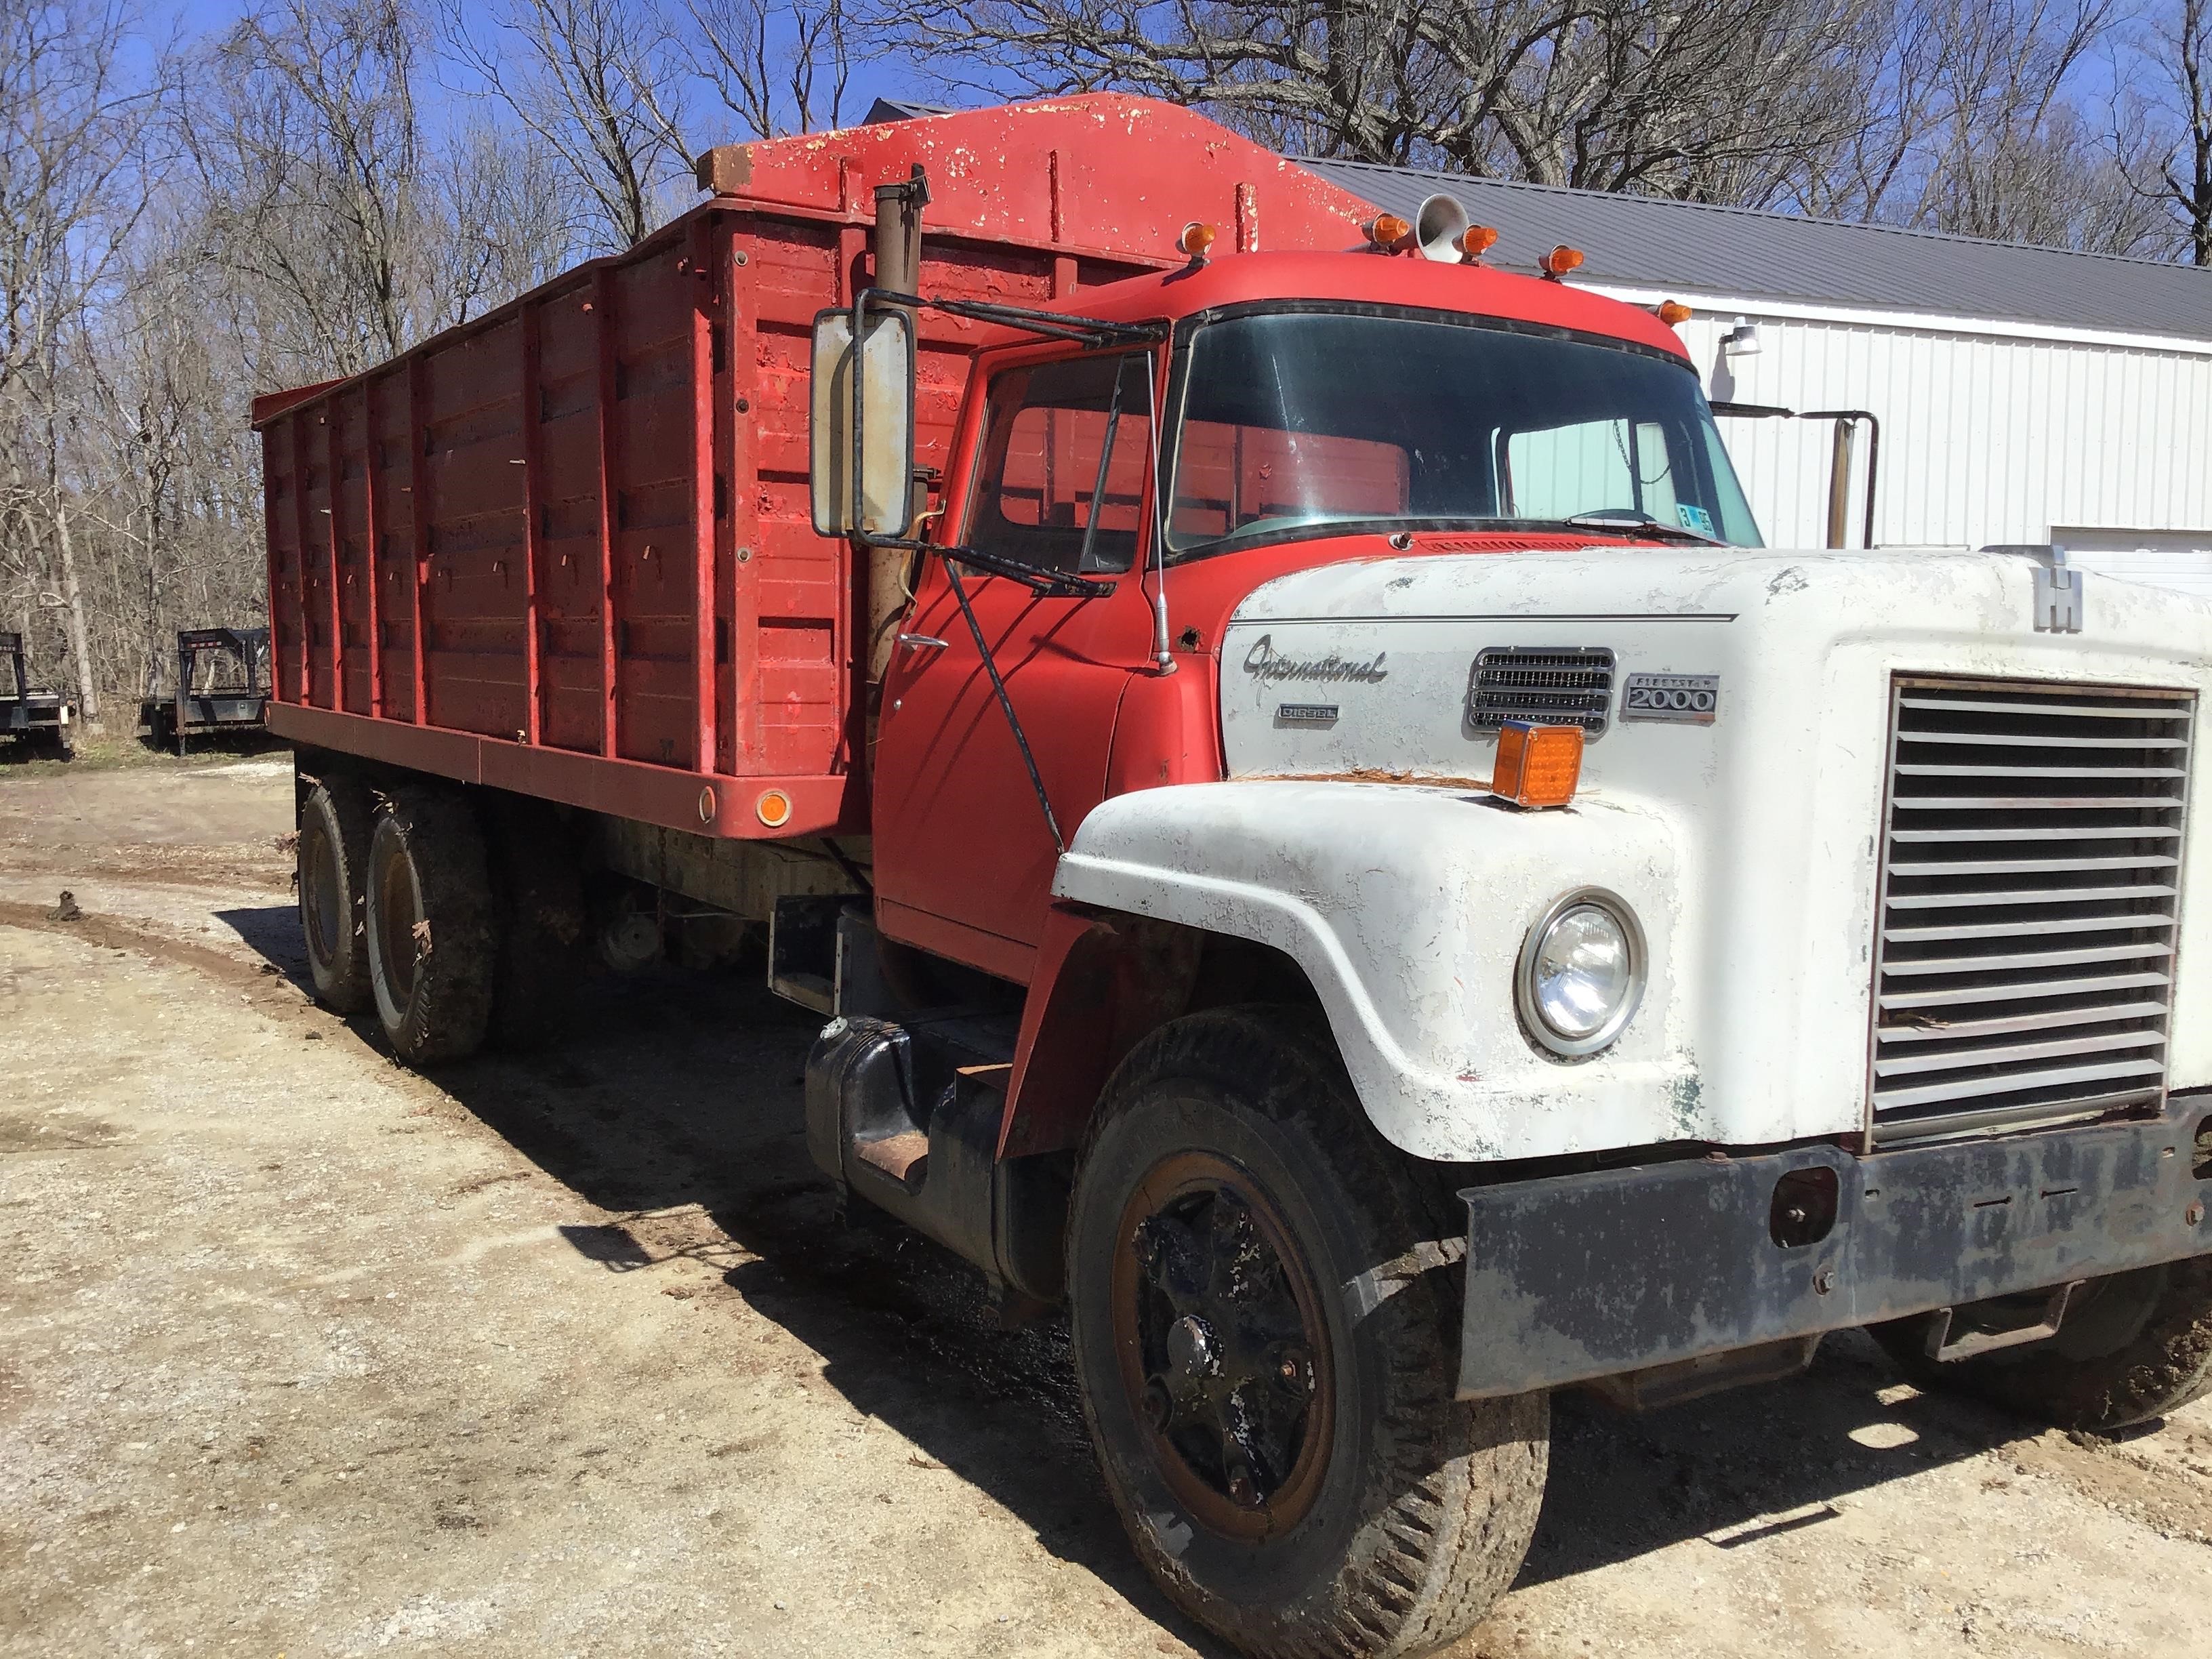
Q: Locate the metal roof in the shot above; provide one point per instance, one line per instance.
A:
(1655, 242)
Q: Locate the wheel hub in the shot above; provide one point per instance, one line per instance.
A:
(1191, 1349)
(1220, 1326)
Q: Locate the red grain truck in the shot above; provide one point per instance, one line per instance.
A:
(1327, 846)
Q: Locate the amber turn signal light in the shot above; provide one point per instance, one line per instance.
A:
(1561, 260)
(773, 808)
(1673, 312)
(1197, 239)
(1387, 231)
(1537, 765)
(1478, 240)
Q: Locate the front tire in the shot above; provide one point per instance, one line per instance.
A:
(433, 940)
(2132, 1347)
(1266, 1331)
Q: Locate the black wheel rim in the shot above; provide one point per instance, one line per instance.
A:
(1224, 1354)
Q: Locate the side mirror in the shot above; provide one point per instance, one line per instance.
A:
(863, 404)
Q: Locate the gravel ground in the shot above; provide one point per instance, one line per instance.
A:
(300, 1353)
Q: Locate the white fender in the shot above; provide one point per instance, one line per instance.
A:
(1406, 906)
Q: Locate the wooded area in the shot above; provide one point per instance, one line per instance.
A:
(186, 221)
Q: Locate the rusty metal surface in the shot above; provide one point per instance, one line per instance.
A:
(1584, 1276)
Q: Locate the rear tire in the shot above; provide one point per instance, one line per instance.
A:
(1291, 1467)
(336, 820)
(433, 938)
(2132, 1347)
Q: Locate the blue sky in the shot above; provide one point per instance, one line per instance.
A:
(200, 19)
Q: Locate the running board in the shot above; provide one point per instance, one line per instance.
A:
(905, 1116)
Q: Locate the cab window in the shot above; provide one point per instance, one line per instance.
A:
(1059, 438)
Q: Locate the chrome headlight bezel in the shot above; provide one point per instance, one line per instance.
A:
(1623, 916)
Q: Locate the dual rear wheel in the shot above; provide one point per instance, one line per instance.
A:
(451, 928)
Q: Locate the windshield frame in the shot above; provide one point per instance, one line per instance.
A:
(1169, 432)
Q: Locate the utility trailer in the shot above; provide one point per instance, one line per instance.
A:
(1327, 847)
(35, 719)
(220, 689)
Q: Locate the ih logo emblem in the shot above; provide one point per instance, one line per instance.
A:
(1691, 699)
(2058, 599)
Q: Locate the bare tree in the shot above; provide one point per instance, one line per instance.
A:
(2163, 138)
(1698, 98)
(309, 153)
(72, 130)
(598, 84)
(778, 68)
(505, 223)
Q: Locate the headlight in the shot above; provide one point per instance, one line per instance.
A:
(1582, 972)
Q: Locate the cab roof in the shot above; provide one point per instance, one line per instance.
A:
(1363, 278)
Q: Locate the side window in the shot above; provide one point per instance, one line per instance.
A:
(1062, 437)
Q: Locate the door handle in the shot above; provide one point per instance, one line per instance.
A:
(915, 642)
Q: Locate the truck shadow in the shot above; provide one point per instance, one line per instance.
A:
(676, 1110)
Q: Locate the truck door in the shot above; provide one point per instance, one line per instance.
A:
(963, 858)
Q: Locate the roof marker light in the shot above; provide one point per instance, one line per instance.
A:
(1560, 260)
(1673, 312)
(1387, 232)
(1477, 241)
(1197, 240)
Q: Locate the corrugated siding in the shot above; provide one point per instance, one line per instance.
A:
(1982, 439)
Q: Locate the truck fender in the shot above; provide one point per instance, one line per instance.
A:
(1405, 908)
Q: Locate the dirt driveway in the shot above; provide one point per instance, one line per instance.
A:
(302, 1354)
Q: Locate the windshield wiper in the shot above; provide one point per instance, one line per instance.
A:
(1642, 522)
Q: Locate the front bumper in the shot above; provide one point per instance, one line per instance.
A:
(1573, 1278)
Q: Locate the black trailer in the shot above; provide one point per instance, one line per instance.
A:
(222, 687)
(31, 716)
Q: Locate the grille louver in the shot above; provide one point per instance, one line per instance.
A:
(2031, 882)
(1561, 685)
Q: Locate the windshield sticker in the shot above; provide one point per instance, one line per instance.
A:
(1694, 517)
(1263, 662)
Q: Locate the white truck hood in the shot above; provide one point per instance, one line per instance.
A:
(1773, 810)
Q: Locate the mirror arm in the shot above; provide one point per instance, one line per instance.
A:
(1053, 324)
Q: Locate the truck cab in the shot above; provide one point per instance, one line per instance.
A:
(1320, 411)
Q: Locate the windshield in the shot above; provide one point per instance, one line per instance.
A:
(1293, 421)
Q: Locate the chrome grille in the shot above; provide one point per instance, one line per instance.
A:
(1554, 685)
(2031, 881)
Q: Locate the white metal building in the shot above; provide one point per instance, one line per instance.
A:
(2024, 394)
